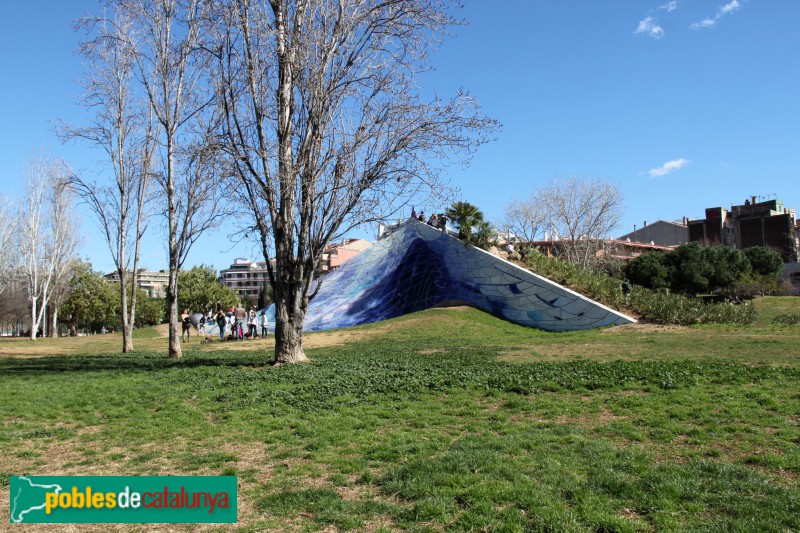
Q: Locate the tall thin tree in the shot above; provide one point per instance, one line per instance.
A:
(168, 42)
(122, 127)
(47, 232)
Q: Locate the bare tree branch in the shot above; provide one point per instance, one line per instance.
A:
(122, 127)
(325, 124)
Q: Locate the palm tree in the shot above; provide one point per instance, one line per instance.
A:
(466, 216)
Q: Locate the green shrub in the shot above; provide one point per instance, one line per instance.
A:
(649, 270)
(651, 306)
(787, 319)
(666, 308)
(765, 261)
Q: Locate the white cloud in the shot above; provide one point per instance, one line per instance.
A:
(666, 168)
(649, 27)
(670, 6)
(705, 23)
(730, 7)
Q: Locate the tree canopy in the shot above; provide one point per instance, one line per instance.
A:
(199, 290)
(693, 269)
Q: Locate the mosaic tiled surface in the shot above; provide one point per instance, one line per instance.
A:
(418, 267)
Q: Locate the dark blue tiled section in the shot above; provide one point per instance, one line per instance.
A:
(418, 267)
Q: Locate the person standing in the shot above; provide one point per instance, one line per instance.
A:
(186, 320)
(201, 326)
(264, 324)
(221, 323)
(252, 323)
(231, 322)
(240, 314)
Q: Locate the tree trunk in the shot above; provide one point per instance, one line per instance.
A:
(34, 325)
(54, 322)
(172, 301)
(129, 324)
(288, 333)
(127, 342)
(127, 337)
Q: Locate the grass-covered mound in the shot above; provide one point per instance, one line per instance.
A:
(442, 419)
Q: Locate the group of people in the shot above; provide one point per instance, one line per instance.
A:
(237, 323)
(437, 221)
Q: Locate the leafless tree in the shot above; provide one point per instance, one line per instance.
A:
(122, 127)
(168, 42)
(47, 234)
(581, 213)
(326, 126)
(9, 256)
(525, 218)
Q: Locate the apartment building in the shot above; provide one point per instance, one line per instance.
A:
(155, 283)
(768, 223)
(246, 277)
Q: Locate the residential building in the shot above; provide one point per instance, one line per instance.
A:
(337, 254)
(754, 223)
(246, 277)
(155, 283)
(660, 233)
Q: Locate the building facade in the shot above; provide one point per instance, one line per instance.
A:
(754, 223)
(246, 277)
(337, 254)
(155, 283)
(660, 233)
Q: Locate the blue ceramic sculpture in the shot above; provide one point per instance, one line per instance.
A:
(418, 267)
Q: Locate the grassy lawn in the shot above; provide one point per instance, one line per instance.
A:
(447, 419)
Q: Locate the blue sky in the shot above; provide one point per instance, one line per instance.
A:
(684, 105)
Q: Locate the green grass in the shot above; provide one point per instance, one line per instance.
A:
(443, 419)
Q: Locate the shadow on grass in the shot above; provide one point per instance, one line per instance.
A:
(128, 362)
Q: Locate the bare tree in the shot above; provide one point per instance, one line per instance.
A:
(167, 39)
(47, 233)
(326, 127)
(122, 127)
(525, 218)
(64, 225)
(8, 239)
(581, 213)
